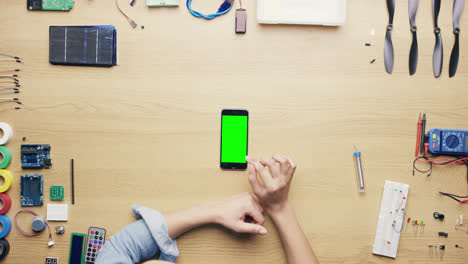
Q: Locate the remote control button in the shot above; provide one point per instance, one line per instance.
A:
(87, 258)
(102, 234)
(95, 241)
(100, 242)
(99, 247)
(94, 250)
(90, 244)
(89, 249)
(94, 255)
(94, 246)
(92, 259)
(91, 236)
(100, 238)
(89, 254)
(92, 231)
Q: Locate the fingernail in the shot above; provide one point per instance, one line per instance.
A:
(263, 231)
(248, 159)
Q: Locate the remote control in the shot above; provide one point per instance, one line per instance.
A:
(96, 239)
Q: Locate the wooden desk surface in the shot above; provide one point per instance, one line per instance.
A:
(147, 131)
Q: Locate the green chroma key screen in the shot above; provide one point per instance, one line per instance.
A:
(234, 139)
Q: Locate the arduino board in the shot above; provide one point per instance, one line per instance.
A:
(35, 156)
(51, 5)
(32, 190)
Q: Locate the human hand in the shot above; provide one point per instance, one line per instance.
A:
(276, 174)
(241, 213)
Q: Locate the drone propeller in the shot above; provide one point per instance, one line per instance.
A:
(388, 46)
(437, 58)
(457, 11)
(413, 57)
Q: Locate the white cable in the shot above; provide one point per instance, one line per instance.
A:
(7, 133)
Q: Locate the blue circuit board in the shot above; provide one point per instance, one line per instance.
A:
(36, 156)
(32, 190)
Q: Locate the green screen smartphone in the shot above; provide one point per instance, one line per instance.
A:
(234, 139)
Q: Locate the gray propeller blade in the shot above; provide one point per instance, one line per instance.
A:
(413, 57)
(388, 46)
(457, 11)
(437, 58)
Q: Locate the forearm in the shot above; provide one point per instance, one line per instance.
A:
(181, 221)
(295, 243)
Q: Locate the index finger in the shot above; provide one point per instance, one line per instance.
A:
(261, 170)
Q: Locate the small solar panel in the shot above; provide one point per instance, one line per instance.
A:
(83, 45)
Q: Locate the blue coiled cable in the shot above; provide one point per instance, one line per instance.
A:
(223, 9)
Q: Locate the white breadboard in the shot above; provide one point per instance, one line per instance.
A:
(391, 219)
(308, 12)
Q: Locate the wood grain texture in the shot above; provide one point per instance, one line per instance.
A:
(147, 131)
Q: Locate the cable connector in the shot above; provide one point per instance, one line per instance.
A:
(51, 243)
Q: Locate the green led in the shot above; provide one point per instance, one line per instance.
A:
(413, 222)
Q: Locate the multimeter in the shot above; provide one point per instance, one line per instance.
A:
(448, 141)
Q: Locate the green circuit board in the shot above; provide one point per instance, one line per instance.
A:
(63, 5)
(57, 193)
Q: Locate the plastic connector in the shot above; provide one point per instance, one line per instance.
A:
(133, 24)
(51, 243)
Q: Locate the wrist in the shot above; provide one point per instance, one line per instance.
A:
(211, 212)
(278, 211)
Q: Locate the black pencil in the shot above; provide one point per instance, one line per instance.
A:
(72, 181)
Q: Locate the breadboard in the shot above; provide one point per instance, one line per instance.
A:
(391, 219)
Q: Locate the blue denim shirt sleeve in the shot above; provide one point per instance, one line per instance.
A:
(140, 240)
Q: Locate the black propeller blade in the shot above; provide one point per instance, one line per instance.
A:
(388, 46)
(457, 11)
(438, 55)
(413, 57)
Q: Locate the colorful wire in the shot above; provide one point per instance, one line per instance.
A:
(11, 56)
(32, 234)
(454, 197)
(131, 21)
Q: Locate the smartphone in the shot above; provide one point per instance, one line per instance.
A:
(77, 244)
(234, 138)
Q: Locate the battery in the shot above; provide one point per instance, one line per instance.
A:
(241, 20)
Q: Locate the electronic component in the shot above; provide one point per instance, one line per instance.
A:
(32, 190)
(159, 3)
(38, 223)
(438, 216)
(241, 20)
(391, 219)
(96, 239)
(59, 230)
(72, 174)
(131, 21)
(443, 234)
(35, 156)
(52, 260)
(57, 192)
(57, 212)
(448, 141)
(457, 246)
(53, 5)
(357, 158)
(83, 45)
(77, 245)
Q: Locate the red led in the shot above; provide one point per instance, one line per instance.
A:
(404, 198)
(416, 222)
(409, 219)
(388, 242)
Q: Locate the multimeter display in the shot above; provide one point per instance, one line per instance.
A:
(448, 141)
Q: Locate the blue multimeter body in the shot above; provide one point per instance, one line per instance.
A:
(448, 141)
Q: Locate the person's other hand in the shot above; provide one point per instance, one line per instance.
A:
(276, 174)
(241, 213)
